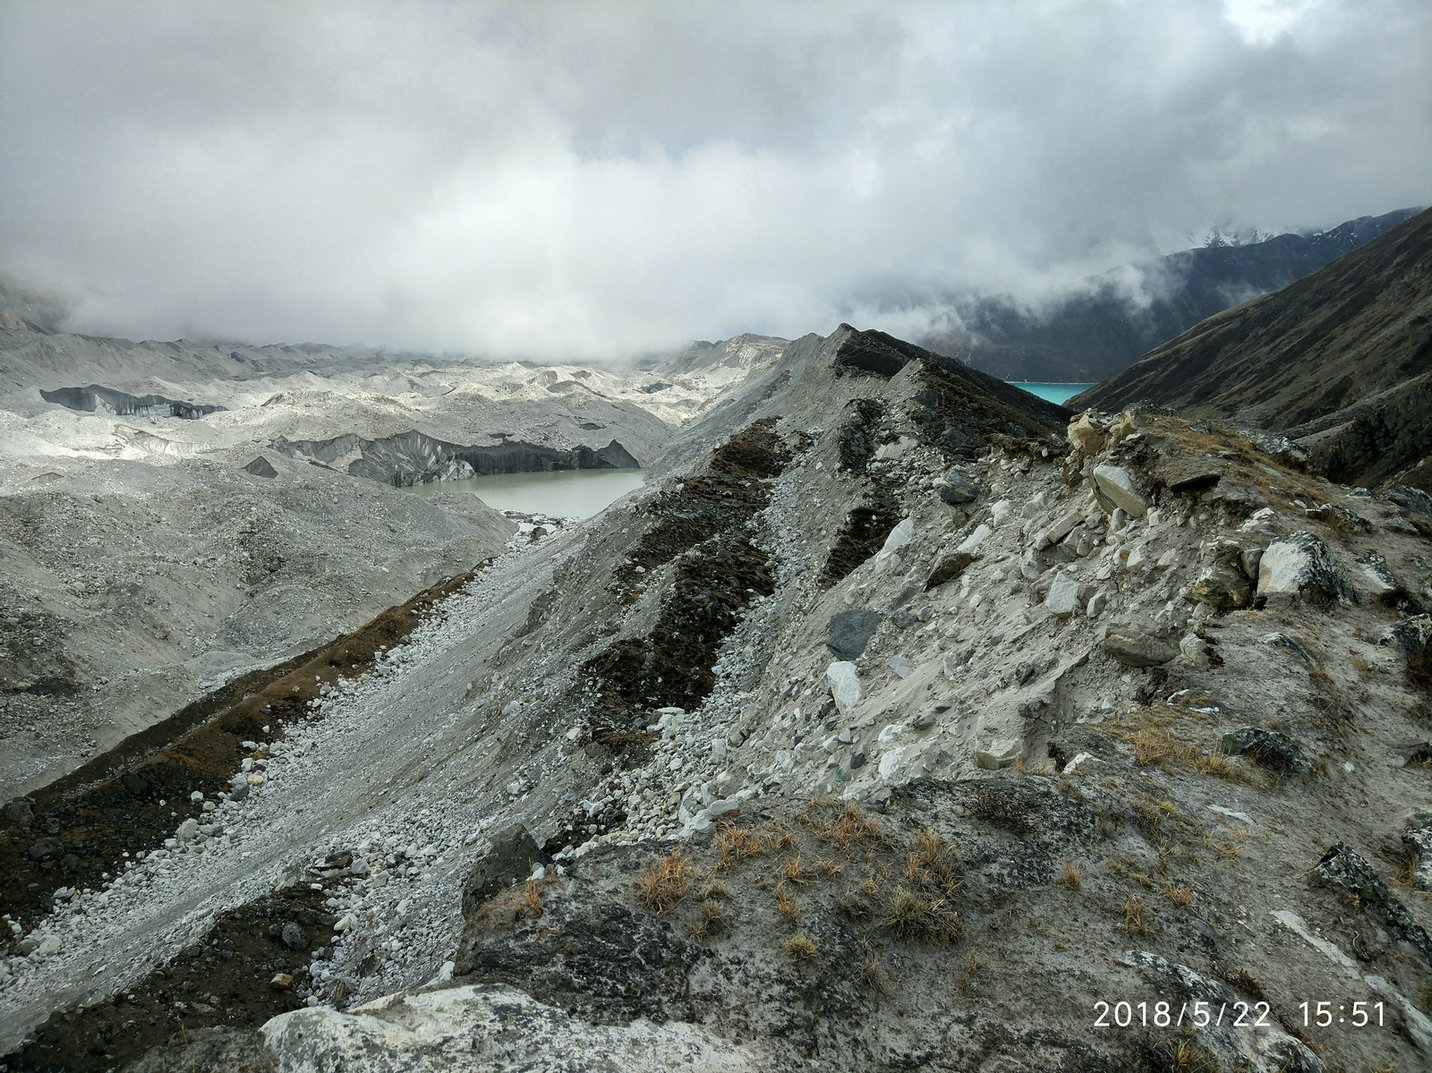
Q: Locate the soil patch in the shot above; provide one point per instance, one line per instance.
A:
(227, 978)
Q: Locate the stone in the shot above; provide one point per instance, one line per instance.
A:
(188, 830)
(997, 740)
(491, 1027)
(1345, 868)
(294, 937)
(1223, 589)
(1096, 605)
(1302, 567)
(261, 467)
(20, 811)
(843, 682)
(508, 858)
(281, 981)
(50, 944)
(47, 849)
(1061, 528)
(1085, 436)
(1063, 595)
(948, 567)
(975, 539)
(851, 631)
(1267, 748)
(888, 557)
(1116, 488)
(239, 788)
(1135, 646)
(900, 665)
(956, 488)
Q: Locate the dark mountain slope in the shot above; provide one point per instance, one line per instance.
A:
(1098, 332)
(1340, 360)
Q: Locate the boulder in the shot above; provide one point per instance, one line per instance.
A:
(974, 540)
(1116, 489)
(998, 740)
(261, 467)
(948, 567)
(1302, 566)
(490, 1027)
(1085, 435)
(956, 488)
(508, 858)
(888, 557)
(1135, 645)
(844, 685)
(1345, 868)
(1063, 596)
(1269, 749)
(850, 632)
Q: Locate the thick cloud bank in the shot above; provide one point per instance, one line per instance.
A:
(592, 180)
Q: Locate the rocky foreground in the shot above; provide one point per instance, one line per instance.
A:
(913, 726)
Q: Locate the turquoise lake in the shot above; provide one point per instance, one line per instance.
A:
(1055, 393)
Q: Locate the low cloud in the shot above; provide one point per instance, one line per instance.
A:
(597, 180)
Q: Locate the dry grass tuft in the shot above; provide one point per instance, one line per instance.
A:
(1071, 875)
(1134, 915)
(801, 947)
(666, 881)
(1179, 895)
(910, 915)
(785, 904)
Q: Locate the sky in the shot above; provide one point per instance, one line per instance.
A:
(591, 181)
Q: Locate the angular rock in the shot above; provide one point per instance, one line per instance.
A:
(844, 685)
(508, 858)
(888, 556)
(1345, 868)
(1085, 435)
(47, 849)
(1135, 645)
(997, 740)
(436, 1030)
(1116, 488)
(956, 488)
(1267, 748)
(948, 567)
(974, 540)
(294, 937)
(1223, 589)
(850, 632)
(261, 467)
(1302, 566)
(1063, 596)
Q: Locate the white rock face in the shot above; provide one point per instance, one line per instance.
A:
(1118, 487)
(998, 742)
(1063, 595)
(888, 557)
(844, 685)
(484, 1029)
(975, 539)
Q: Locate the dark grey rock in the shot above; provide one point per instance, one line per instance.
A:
(956, 488)
(948, 567)
(47, 849)
(261, 467)
(294, 937)
(1345, 868)
(1267, 748)
(510, 858)
(20, 811)
(850, 632)
(205, 1050)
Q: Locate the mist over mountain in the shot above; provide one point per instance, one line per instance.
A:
(1341, 359)
(1099, 328)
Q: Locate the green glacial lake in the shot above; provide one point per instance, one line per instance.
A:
(566, 493)
(1055, 393)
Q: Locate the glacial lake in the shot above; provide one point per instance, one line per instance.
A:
(565, 493)
(1055, 393)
